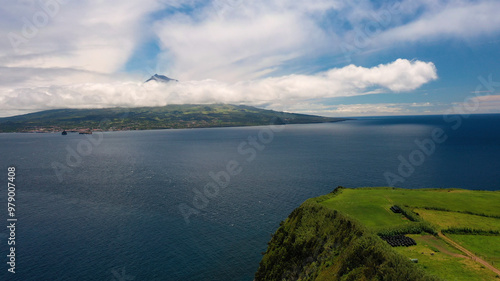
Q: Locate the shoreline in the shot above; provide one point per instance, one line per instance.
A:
(171, 128)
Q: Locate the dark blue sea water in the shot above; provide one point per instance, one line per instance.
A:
(113, 212)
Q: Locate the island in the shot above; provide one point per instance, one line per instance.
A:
(388, 234)
(148, 118)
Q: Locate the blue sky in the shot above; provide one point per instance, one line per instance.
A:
(332, 58)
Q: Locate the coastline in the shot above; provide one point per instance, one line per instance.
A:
(48, 130)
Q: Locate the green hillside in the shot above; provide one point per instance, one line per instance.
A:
(339, 237)
(166, 117)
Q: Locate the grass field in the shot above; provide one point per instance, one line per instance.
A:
(439, 259)
(482, 202)
(445, 220)
(486, 247)
(370, 206)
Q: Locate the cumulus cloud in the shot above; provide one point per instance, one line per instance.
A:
(400, 75)
(452, 19)
(250, 39)
(94, 36)
(239, 40)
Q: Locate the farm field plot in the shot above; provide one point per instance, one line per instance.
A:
(440, 259)
(485, 246)
(372, 208)
(458, 200)
(440, 210)
(445, 220)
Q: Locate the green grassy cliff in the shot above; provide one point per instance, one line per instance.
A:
(318, 243)
(338, 237)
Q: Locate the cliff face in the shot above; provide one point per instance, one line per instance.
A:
(317, 243)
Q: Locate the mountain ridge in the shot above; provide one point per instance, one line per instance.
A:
(146, 118)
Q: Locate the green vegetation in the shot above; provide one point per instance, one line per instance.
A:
(318, 243)
(447, 220)
(437, 257)
(166, 117)
(486, 247)
(454, 200)
(336, 236)
(471, 231)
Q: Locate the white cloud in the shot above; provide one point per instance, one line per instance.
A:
(400, 75)
(446, 19)
(375, 109)
(96, 36)
(242, 41)
(477, 104)
(29, 77)
(51, 43)
(228, 41)
(378, 109)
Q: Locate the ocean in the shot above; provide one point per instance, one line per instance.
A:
(201, 204)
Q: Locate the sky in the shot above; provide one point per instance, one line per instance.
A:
(324, 57)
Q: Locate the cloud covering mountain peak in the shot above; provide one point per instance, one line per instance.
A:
(280, 92)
